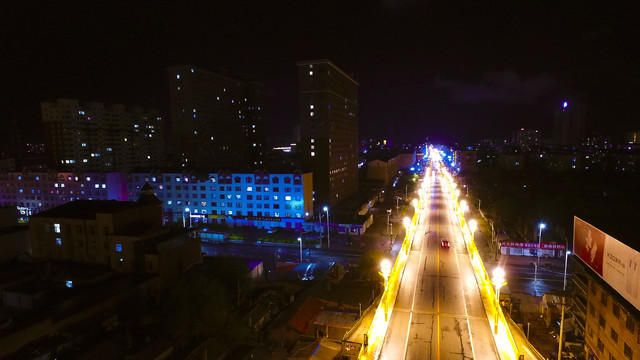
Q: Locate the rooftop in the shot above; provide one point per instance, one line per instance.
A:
(86, 209)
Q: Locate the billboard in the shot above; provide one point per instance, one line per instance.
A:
(615, 262)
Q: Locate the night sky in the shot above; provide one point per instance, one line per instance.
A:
(453, 71)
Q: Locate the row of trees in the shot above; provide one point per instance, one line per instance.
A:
(518, 200)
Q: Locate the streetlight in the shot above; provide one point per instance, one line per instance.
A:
(535, 273)
(498, 282)
(564, 295)
(183, 221)
(300, 241)
(326, 209)
(464, 206)
(566, 257)
(473, 226)
(388, 223)
(385, 270)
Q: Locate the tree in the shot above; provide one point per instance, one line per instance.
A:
(197, 307)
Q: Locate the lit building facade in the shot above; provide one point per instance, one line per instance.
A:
(91, 137)
(33, 192)
(216, 120)
(260, 199)
(609, 324)
(328, 111)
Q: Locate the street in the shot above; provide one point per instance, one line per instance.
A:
(438, 313)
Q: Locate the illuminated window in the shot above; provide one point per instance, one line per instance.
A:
(311, 113)
(311, 107)
(310, 72)
(313, 153)
(56, 228)
(118, 247)
(178, 76)
(69, 283)
(249, 188)
(287, 198)
(59, 241)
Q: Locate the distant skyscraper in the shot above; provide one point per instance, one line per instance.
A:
(92, 137)
(328, 101)
(216, 120)
(569, 120)
(526, 139)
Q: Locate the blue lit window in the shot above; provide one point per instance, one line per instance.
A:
(69, 283)
(59, 241)
(118, 247)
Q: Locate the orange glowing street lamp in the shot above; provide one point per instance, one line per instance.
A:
(498, 281)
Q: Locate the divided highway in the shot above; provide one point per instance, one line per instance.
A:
(438, 313)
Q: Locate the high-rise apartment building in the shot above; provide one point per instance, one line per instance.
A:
(328, 105)
(216, 120)
(91, 137)
(569, 121)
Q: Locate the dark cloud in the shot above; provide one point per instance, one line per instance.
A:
(499, 87)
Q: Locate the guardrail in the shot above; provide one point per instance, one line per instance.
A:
(383, 313)
(505, 343)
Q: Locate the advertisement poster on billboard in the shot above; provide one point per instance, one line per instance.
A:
(615, 262)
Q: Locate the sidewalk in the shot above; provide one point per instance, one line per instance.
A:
(540, 342)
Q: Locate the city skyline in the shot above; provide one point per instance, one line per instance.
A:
(445, 71)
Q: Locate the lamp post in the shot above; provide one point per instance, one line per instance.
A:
(183, 221)
(300, 241)
(473, 226)
(498, 282)
(564, 296)
(385, 270)
(388, 215)
(326, 209)
(535, 273)
(566, 257)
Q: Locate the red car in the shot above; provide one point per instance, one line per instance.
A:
(444, 244)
